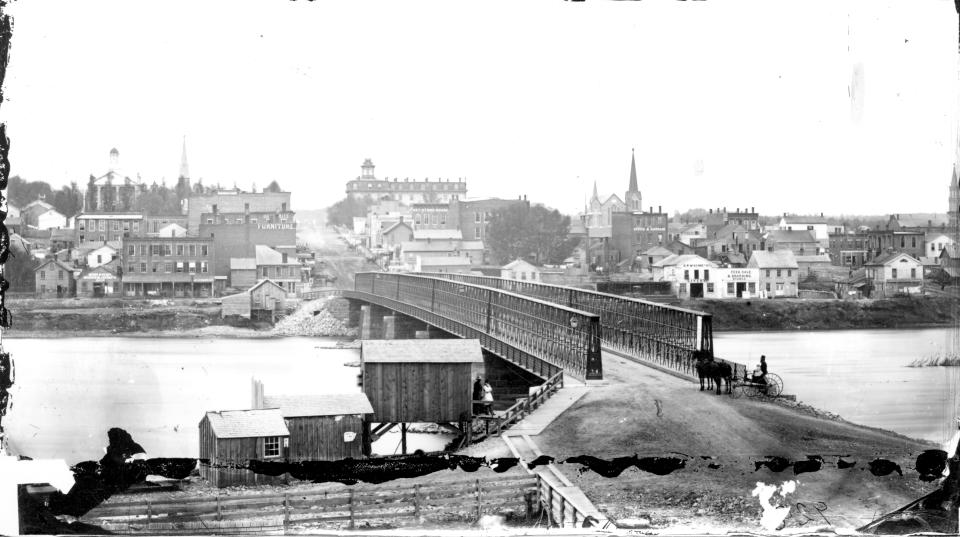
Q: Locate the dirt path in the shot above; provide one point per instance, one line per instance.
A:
(339, 259)
(645, 412)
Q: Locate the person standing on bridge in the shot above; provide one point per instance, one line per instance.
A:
(487, 398)
(477, 393)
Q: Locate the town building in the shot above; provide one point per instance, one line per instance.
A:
(243, 272)
(634, 232)
(799, 242)
(815, 265)
(719, 217)
(687, 233)
(472, 217)
(280, 267)
(100, 282)
(519, 269)
(817, 225)
(779, 272)
(54, 279)
(397, 234)
(169, 266)
(263, 301)
(895, 273)
(238, 207)
(730, 239)
(431, 215)
(155, 224)
(653, 255)
(98, 228)
(113, 191)
(936, 241)
(100, 256)
(850, 248)
(600, 213)
(41, 215)
(950, 261)
(406, 191)
(689, 275)
(61, 239)
(230, 439)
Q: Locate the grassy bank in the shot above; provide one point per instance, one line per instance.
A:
(801, 314)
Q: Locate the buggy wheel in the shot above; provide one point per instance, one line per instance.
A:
(774, 385)
(737, 392)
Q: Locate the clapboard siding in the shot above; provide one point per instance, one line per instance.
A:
(418, 392)
(321, 438)
(232, 451)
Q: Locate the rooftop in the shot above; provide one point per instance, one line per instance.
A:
(437, 234)
(774, 259)
(421, 350)
(247, 423)
(294, 406)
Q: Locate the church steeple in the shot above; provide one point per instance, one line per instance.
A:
(595, 195)
(184, 169)
(633, 199)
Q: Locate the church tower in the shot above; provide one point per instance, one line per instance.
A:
(633, 199)
(954, 210)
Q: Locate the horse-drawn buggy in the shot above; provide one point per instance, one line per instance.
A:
(770, 385)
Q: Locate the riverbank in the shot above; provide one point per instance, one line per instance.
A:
(818, 314)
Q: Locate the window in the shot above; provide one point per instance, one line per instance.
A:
(271, 446)
(116, 225)
(729, 288)
(192, 267)
(154, 249)
(779, 273)
(203, 250)
(153, 267)
(103, 225)
(43, 275)
(131, 250)
(696, 274)
(179, 266)
(126, 225)
(476, 218)
(683, 288)
(209, 220)
(167, 249)
(903, 242)
(789, 272)
(779, 286)
(706, 274)
(893, 273)
(99, 259)
(131, 268)
(752, 286)
(168, 267)
(136, 227)
(143, 267)
(913, 273)
(768, 287)
(476, 233)
(416, 219)
(193, 250)
(103, 237)
(709, 287)
(180, 250)
(60, 274)
(43, 289)
(82, 224)
(768, 275)
(203, 267)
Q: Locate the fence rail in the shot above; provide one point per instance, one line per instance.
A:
(541, 336)
(319, 293)
(281, 511)
(659, 333)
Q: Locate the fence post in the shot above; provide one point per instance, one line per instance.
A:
(149, 511)
(479, 508)
(219, 513)
(549, 505)
(350, 503)
(416, 500)
(286, 512)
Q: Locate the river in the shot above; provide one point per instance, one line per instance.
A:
(70, 391)
(862, 375)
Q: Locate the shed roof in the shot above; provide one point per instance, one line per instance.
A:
(435, 234)
(247, 423)
(266, 255)
(888, 258)
(782, 235)
(657, 250)
(421, 350)
(819, 258)
(522, 264)
(336, 404)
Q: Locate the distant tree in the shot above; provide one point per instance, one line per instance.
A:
(530, 232)
(68, 200)
(18, 270)
(342, 212)
(21, 192)
(273, 187)
(108, 195)
(91, 204)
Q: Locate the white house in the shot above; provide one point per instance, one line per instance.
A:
(895, 273)
(817, 226)
(688, 274)
(935, 242)
(779, 273)
(100, 256)
(519, 269)
(51, 219)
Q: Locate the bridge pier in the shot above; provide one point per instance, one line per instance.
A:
(371, 321)
(399, 326)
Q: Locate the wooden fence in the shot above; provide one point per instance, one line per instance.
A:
(523, 407)
(257, 513)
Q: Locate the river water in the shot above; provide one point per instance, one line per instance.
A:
(70, 391)
(862, 375)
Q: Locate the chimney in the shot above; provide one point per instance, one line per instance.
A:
(751, 210)
(651, 208)
(659, 208)
(724, 209)
(821, 215)
(711, 211)
(284, 259)
(929, 223)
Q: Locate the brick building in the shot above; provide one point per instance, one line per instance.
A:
(235, 207)
(633, 233)
(406, 191)
(94, 228)
(54, 279)
(169, 266)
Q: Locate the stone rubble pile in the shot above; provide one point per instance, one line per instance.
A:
(313, 319)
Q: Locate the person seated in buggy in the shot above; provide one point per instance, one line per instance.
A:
(760, 372)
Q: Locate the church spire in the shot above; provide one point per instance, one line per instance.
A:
(184, 169)
(633, 173)
(595, 195)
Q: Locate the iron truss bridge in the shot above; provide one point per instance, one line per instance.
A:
(541, 336)
(658, 333)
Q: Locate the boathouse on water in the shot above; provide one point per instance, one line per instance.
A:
(322, 427)
(231, 438)
(419, 381)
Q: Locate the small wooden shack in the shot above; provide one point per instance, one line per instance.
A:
(264, 301)
(420, 380)
(234, 437)
(323, 427)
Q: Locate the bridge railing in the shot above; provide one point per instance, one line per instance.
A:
(660, 333)
(514, 326)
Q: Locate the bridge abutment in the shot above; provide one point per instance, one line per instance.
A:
(371, 321)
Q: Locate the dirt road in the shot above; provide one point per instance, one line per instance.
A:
(339, 260)
(645, 412)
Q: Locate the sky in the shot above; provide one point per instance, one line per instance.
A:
(726, 103)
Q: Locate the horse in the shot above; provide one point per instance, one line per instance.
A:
(714, 372)
(704, 359)
(721, 371)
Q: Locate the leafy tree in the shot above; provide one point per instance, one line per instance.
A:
(342, 212)
(91, 194)
(68, 200)
(18, 270)
(21, 192)
(273, 187)
(530, 232)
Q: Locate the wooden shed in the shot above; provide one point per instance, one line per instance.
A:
(323, 427)
(234, 437)
(420, 380)
(264, 301)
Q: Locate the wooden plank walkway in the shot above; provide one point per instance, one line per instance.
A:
(542, 417)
